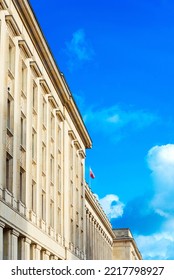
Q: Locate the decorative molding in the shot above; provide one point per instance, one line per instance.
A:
(35, 69)
(3, 5)
(82, 153)
(52, 101)
(72, 134)
(77, 144)
(60, 114)
(25, 48)
(12, 25)
(45, 86)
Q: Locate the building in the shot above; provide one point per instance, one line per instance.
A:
(47, 211)
(99, 234)
(43, 140)
(124, 245)
(42, 146)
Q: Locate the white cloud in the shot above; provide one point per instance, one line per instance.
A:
(161, 245)
(115, 117)
(78, 49)
(112, 206)
(161, 162)
(156, 246)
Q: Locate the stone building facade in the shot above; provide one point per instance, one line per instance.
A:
(99, 234)
(124, 245)
(46, 209)
(42, 146)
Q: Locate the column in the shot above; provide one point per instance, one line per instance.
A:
(53, 257)
(25, 248)
(45, 255)
(14, 244)
(35, 252)
(2, 225)
(11, 244)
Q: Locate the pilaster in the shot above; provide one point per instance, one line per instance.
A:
(2, 225)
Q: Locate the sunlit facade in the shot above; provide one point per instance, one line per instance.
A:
(124, 245)
(42, 147)
(47, 211)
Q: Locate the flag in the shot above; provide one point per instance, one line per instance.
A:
(91, 173)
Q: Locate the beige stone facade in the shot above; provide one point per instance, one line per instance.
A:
(124, 245)
(46, 209)
(43, 213)
(99, 234)
(42, 147)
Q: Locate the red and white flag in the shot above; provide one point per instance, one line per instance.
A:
(91, 173)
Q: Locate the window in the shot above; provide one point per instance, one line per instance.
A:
(22, 185)
(71, 193)
(51, 213)
(24, 79)
(59, 220)
(44, 111)
(43, 157)
(43, 205)
(59, 200)
(9, 172)
(59, 138)
(10, 112)
(23, 131)
(71, 156)
(34, 144)
(11, 56)
(82, 173)
(77, 199)
(76, 163)
(34, 97)
(77, 236)
(52, 169)
(59, 178)
(81, 240)
(52, 126)
(72, 230)
(33, 196)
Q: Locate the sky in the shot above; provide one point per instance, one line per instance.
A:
(118, 59)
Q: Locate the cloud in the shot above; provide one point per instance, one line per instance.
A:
(78, 49)
(160, 245)
(112, 206)
(118, 119)
(150, 217)
(161, 162)
(139, 216)
(156, 246)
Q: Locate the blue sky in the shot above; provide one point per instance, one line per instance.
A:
(118, 59)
